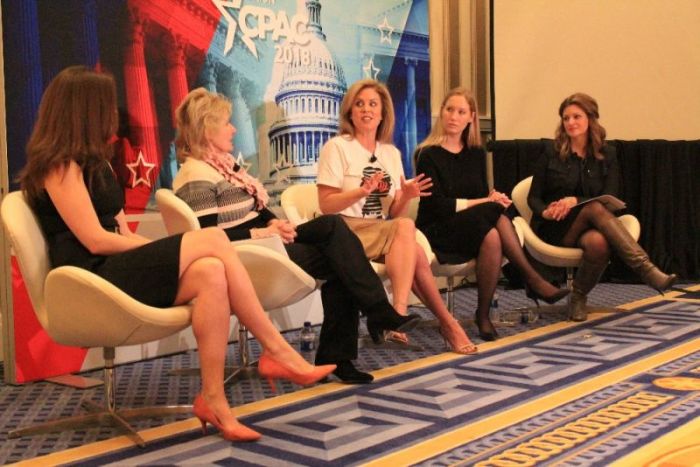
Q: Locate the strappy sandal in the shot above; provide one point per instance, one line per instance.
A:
(396, 337)
(466, 349)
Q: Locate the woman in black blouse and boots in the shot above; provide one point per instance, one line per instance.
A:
(579, 166)
(462, 219)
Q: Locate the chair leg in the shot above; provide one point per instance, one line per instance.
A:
(247, 368)
(106, 415)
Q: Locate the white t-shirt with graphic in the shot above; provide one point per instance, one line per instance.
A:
(344, 163)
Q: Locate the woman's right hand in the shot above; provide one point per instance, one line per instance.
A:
(371, 183)
(285, 229)
(558, 210)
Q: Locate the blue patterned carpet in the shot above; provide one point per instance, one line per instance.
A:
(548, 392)
(369, 423)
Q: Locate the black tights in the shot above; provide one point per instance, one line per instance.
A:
(584, 233)
(499, 241)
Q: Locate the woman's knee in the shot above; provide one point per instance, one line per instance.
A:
(330, 221)
(595, 245)
(405, 227)
(492, 240)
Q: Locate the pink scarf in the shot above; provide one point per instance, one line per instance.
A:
(225, 164)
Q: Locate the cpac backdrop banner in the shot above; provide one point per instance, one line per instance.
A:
(285, 65)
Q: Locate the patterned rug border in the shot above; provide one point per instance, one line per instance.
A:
(167, 431)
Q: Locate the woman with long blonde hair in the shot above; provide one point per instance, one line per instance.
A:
(462, 219)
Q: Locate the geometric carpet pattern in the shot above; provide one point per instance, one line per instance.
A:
(363, 424)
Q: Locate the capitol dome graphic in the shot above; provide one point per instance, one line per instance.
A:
(308, 105)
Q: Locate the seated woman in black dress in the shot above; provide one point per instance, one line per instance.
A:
(462, 219)
(222, 193)
(72, 188)
(579, 166)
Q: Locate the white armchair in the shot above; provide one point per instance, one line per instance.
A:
(551, 255)
(79, 308)
(277, 280)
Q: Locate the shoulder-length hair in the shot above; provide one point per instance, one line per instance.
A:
(471, 136)
(385, 130)
(596, 132)
(196, 117)
(76, 121)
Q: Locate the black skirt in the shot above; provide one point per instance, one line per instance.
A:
(459, 238)
(149, 273)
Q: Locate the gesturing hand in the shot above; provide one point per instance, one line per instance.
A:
(416, 186)
(371, 183)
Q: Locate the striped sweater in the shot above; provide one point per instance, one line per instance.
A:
(215, 201)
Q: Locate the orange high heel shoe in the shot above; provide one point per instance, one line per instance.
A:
(272, 370)
(205, 414)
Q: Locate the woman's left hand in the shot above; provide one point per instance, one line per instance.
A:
(500, 198)
(416, 186)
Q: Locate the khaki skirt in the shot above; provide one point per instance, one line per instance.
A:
(376, 235)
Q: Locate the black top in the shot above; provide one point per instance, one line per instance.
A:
(64, 247)
(461, 175)
(586, 178)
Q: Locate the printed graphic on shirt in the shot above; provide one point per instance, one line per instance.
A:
(373, 203)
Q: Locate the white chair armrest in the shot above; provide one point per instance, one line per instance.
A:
(273, 243)
(108, 316)
(544, 252)
(277, 280)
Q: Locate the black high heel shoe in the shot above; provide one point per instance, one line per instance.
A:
(550, 299)
(490, 335)
(390, 320)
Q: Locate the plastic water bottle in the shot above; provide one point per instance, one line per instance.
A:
(503, 317)
(495, 312)
(307, 341)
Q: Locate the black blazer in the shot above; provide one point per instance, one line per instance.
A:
(586, 178)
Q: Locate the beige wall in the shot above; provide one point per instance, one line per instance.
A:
(639, 58)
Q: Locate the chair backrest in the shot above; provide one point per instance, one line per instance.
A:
(519, 197)
(30, 248)
(178, 216)
(300, 203)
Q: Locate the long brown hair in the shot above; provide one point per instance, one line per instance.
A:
(385, 130)
(471, 136)
(76, 120)
(596, 132)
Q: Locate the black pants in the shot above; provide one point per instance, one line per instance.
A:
(327, 249)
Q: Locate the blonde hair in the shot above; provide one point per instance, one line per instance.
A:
(385, 130)
(199, 113)
(471, 136)
(596, 133)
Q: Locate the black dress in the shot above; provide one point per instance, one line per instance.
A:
(455, 236)
(149, 273)
(555, 179)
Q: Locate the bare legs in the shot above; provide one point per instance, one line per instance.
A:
(212, 275)
(425, 288)
(401, 263)
(408, 267)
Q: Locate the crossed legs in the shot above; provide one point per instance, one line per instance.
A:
(213, 276)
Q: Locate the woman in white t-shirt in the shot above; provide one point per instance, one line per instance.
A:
(360, 176)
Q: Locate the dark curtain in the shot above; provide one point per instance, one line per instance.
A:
(659, 181)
